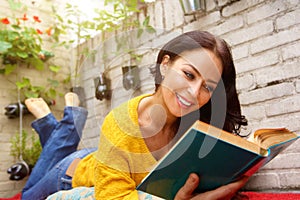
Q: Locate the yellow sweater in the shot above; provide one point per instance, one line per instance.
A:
(122, 160)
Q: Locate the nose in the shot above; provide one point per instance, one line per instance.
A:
(195, 87)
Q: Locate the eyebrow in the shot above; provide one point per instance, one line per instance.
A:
(197, 71)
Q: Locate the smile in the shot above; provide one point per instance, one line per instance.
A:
(183, 101)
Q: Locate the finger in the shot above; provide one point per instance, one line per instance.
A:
(228, 191)
(187, 190)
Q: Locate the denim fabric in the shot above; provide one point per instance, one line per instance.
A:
(59, 141)
(44, 127)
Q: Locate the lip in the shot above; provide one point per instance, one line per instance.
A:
(183, 102)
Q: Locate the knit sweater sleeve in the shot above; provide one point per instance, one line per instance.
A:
(122, 159)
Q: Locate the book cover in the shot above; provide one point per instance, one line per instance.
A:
(214, 159)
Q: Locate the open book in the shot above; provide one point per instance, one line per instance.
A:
(218, 157)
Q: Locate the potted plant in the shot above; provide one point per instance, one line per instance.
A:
(21, 43)
(26, 151)
(22, 38)
(123, 20)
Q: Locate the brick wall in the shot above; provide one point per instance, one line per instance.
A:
(264, 35)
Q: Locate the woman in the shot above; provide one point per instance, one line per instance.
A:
(195, 79)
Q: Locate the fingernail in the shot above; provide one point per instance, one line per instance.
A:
(192, 179)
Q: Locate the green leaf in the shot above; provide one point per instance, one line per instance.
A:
(30, 94)
(146, 21)
(9, 68)
(4, 46)
(16, 27)
(140, 32)
(22, 55)
(14, 5)
(52, 93)
(53, 82)
(54, 68)
(25, 83)
(67, 80)
(37, 63)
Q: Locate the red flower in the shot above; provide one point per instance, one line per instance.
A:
(24, 18)
(5, 21)
(39, 31)
(48, 31)
(36, 18)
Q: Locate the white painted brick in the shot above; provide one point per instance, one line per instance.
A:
(5, 147)
(203, 22)
(275, 40)
(256, 62)
(290, 121)
(234, 8)
(288, 19)
(263, 181)
(298, 86)
(291, 51)
(158, 13)
(284, 161)
(4, 186)
(245, 82)
(172, 16)
(5, 83)
(240, 51)
(293, 3)
(288, 105)
(178, 15)
(250, 33)
(5, 155)
(294, 148)
(160, 41)
(266, 93)
(290, 179)
(227, 26)
(254, 112)
(277, 73)
(92, 73)
(266, 10)
(223, 2)
(210, 5)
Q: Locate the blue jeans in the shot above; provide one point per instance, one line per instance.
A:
(59, 141)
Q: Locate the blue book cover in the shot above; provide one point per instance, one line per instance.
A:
(216, 156)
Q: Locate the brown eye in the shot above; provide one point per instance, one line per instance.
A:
(189, 75)
(208, 88)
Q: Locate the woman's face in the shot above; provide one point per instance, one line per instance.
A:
(190, 80)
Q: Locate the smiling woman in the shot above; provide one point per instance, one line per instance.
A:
(195, 79)
(199, 78)
(224, 100)
(192, 77)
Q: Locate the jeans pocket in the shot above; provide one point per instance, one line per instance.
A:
(66, 183)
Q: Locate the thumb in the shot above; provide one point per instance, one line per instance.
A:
(187, 190)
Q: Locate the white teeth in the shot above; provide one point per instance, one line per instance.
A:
(184, 102)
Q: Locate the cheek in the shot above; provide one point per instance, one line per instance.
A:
(203, 99)
(174, 80)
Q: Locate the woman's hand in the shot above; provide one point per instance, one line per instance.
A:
(223, 192)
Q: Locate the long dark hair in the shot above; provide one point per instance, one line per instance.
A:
(225, 95)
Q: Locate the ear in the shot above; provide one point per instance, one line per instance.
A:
(164, 65)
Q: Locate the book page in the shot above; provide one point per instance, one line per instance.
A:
(269, 137)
